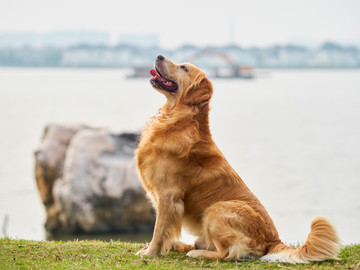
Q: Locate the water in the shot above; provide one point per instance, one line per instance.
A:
(293, 136)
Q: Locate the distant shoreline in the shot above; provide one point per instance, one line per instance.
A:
(328, 55)
(129, 68)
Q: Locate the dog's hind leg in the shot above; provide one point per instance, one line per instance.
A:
(200, 243)
(234, 229)
(179, 246)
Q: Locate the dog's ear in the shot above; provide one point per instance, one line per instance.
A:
(199, 92)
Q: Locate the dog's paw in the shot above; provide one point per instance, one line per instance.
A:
(206, 254)
(148, 252)
(193, 254)
(142, 251)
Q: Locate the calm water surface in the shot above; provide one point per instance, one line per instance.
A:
(293, 137)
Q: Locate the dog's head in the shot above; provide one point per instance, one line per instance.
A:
(183, 83)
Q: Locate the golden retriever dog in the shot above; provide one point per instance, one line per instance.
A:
(192, 185)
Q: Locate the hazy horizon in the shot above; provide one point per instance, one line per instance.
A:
(202, 23)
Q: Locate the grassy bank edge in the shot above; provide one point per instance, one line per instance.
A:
(28, 254)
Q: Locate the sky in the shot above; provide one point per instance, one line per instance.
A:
(198, 22)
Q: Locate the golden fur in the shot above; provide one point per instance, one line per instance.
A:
(191, 184)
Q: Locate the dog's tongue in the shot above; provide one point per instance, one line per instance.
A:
(153, 72)
(157, 76)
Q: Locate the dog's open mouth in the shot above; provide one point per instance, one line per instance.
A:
(158, 81)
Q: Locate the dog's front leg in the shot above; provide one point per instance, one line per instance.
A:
(170, 210)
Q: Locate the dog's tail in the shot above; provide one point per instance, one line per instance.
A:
(322, 243)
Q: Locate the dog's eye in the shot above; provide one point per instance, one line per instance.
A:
(184, 68)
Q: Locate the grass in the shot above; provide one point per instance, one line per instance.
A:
(26, 254)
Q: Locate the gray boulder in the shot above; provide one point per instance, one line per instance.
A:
(88, 181)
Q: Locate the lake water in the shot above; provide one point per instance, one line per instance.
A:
(292, 135)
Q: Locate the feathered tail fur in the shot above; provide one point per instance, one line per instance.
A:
(322, 243)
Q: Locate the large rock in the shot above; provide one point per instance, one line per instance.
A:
(88, 181)
(50, 157)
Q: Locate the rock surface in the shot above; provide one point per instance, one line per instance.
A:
(88, 181)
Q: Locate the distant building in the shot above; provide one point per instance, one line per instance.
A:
(333, 55)
(285, 56)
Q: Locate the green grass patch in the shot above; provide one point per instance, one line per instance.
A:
(25, 254)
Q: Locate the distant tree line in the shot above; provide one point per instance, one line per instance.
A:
(328, 55)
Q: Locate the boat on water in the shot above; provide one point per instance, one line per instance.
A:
(225, 66)
(238, 72)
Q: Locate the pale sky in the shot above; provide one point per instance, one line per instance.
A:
(246, 23)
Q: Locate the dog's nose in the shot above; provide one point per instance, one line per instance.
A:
(160, 57)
